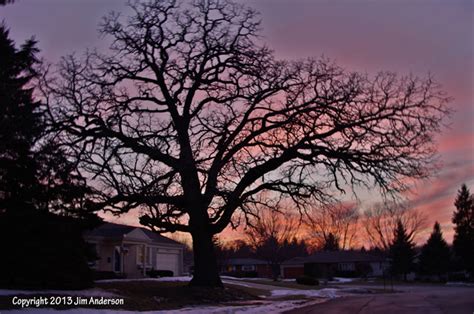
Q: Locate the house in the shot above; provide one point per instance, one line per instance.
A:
(243, 266)
(131, 251)
(335, 263)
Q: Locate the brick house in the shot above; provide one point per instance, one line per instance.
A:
(246, 265)
(333, 263)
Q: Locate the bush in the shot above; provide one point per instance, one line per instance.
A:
(241, 274)
(363, 269)
(159, 273)
(457, 276)
(347, 274)
(42, 251)
(101, 275)
(308, 281)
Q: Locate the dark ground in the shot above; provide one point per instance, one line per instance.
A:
(156, 295)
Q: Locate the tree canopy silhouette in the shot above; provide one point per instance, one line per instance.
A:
(34, 172)
(337, 220)
(402, 251)
(381, 220)
(19, 124)
(4, 2)
(41, 195)
(463, 219)
(331, 243)
(190, 118)
(435, 256)
(273, 237)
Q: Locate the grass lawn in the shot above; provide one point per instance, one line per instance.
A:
(257, 293)
(157, 295)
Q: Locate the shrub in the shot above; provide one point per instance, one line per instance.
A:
(363, 270)
(241, 274)
(308, 281)
(42, 251)
(100, 275)
(347, 274)
(249, 274)
(457, 276)
(154, 273)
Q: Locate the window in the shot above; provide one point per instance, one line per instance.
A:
(248, 267)
(117, 260)
(140, 254)
(143, 252)
(346, 266)
(148, 256)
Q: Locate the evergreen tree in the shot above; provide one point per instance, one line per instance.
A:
(402, 251)
(435, 255)
(4, 2)
(463, 220)
(294, 248)
(331, 243)
(41, 195)
(19, 124)
(34, 172)
(241, 249)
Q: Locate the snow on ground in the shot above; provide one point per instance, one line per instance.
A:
(94, 292)
(182, 278)
(239, 278)
(261, 307)
(329, 293)
(247, 278)
(459, 284)
(257, 279)
(252, 308)
(238, 283)
(342, 280)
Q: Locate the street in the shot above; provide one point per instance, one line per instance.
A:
(411, 300)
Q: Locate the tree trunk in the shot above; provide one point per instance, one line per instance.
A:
(206, 273)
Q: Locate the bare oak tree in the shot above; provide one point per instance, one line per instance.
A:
(337, 220)
(189, 117)
(381, 221)
(271, 234)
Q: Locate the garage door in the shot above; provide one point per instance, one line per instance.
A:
(292, 272)
(169, 261)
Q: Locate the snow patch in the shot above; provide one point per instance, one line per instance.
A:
(182, 278)
(322, 293)
(95, 292)
(263, 307)
(459, 284)
(342, 280)
(247, 278)
(237, 283)
(179, 278)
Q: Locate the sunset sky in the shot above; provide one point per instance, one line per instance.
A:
(418, 37)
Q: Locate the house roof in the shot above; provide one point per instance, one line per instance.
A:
(245, 261)
(111, 230)
(336, 257)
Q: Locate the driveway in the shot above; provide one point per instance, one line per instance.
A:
(411, 300)
(250, 284)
